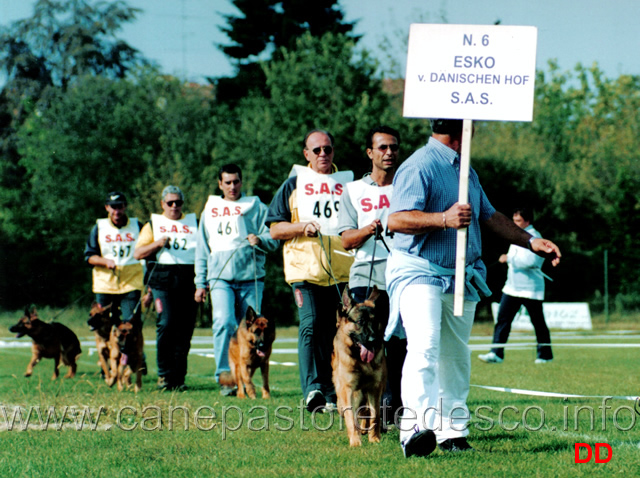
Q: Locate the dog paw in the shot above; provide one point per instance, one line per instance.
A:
(355, 441)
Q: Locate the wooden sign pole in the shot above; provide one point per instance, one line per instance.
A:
(463, 198)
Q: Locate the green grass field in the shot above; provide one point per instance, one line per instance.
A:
(200, 433)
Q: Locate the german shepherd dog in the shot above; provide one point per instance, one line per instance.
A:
(126, 345)
(101, 321)
(250, 349)
(359, 366)
(52, 340)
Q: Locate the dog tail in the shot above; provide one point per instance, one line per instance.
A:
(226, 379)
(68, 352)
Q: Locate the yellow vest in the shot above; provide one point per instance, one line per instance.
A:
(305, 259)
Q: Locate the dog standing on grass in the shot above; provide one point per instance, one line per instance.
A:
(359, 366)
(54, 340)
(249, 349)
(126, 345)
(101, 321)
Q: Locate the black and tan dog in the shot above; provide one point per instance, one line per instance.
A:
(250, 349)
(101, 321)
(126, 348)
(359, 366)
(54, 340)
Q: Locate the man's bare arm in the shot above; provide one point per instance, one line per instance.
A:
(418, 222)
(504, 227)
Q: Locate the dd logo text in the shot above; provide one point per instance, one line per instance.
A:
(591, 452)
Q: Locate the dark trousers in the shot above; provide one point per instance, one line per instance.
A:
(317, 309)
(509, 307)
(123, 305)
(176, 310)
(395, 351)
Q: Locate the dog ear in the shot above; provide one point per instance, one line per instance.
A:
(250, 316)
(375, 293)
(347, 301)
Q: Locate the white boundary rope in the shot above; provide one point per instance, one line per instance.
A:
(537, 393)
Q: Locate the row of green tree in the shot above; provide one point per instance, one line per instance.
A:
(82, 114)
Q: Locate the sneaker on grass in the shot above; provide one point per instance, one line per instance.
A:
(491, 357)
(541, 360)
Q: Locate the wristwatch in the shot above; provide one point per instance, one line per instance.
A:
(530, 243)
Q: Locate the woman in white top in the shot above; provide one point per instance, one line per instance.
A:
(524, 287)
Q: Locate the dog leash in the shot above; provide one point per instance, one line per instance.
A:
(330, 271)
(227, 262)
(373, 260)
(135, 309)
(255, 276)
(67, 307)
(378, 236)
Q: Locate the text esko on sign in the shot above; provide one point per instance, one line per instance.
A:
(479, 72)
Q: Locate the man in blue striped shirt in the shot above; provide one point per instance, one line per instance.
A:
(425, 216)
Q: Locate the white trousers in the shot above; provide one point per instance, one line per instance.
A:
(437, 369)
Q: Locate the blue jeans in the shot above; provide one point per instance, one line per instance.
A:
(123, 305)
(230, 300)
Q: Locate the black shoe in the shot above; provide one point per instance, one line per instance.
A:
(455, 445)
(421, 443)
(315, 401)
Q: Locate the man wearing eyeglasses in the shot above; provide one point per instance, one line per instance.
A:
(304, 214)
(230, 259)
(363, 228)
(117, 275)
(168, 244)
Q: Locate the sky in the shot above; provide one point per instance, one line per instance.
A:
(181, 35)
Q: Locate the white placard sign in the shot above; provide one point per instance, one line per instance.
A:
(477, 72)
(557, 315)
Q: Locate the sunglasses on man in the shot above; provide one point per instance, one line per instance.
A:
(326, 149)
(177, 202)
(392, 147)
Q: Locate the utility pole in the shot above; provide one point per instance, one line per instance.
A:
(606, 286)
(185, 73)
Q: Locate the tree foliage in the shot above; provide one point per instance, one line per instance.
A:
(263, 29)
(275, 24)
(578, 165)
(99, 135)
(67, 39)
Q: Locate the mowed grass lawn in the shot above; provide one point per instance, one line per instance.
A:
(200, 433)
